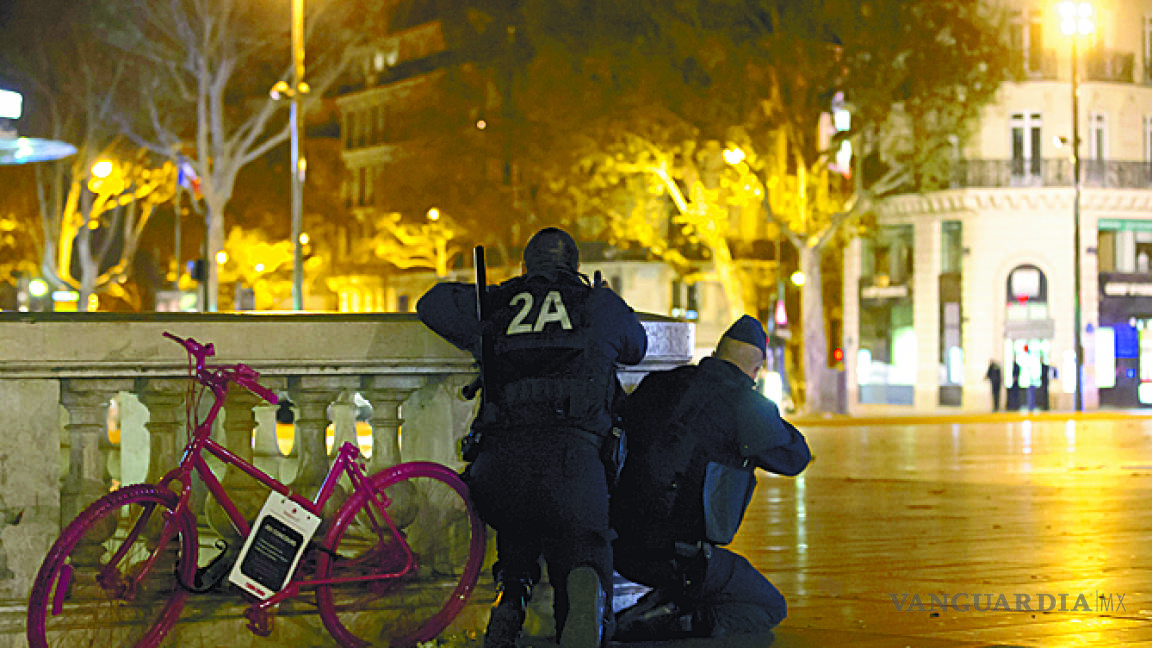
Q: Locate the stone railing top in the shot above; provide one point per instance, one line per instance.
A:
(77, 345)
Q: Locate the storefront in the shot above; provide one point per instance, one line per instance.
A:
(1124, 340)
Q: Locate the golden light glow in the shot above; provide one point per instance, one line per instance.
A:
(38, 288)
(798, 278)
(304, 239)
(433, 214)
(733, 156)
(221, 257)
(102, 169)
(1077, 18)
(259, 267)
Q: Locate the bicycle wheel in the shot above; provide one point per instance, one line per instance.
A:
(95, 587)
(430, 505)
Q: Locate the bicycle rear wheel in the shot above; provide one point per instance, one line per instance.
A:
(95, 587)
(430, 505)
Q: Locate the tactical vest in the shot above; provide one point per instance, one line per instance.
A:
(544, 370)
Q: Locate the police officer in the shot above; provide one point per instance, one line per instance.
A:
(678, 421)
(538, 479)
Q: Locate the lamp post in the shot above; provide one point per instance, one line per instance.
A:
(298, 163)
(1076, 19)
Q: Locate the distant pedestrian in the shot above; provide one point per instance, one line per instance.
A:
(1014, 391)
(995, 377)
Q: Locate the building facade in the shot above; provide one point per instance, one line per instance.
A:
(443, 69)
(984, 271)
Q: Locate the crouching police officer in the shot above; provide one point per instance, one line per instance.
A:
(690, 429)
(538, 478)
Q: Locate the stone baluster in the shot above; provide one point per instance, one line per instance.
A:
(87, 403)
(266, 453)
(266, 445)
(167, 421)
(436, 417)
(312, 395)
(387, 393)
(245, 492)
(343, 416)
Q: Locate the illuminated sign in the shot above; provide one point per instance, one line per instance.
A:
(1127, 289)
(10, 104)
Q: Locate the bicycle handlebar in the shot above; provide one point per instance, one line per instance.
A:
(241, 374)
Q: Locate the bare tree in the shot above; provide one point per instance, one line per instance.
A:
(89, 225)
(205, 70)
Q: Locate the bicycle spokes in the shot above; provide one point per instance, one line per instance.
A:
(433, 562)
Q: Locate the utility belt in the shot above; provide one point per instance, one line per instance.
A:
(536, 402)
(472, 444)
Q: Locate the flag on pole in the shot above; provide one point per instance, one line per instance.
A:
(186, 177)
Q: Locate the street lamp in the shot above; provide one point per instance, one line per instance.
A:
(1076, 19)
(298, 164)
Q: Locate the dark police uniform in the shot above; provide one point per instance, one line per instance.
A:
(731, 421)
(538, 479)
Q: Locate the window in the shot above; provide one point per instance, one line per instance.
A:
(1034, 42)
(952, 246)
(1147, 171)
(1027, 36)
(1026, 137)
(1148, 138)
(1148, 47)
(1098, 136)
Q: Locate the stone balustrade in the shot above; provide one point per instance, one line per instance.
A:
(59, 373)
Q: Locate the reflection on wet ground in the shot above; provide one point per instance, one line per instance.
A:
(1017, 532)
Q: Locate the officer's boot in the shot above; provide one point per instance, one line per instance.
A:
(508, 612)
(666, 622)
(587, 611)
(656, 602)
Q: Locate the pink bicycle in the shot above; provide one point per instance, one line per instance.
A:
(395, 565)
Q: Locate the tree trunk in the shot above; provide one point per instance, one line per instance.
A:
(88, 265)
(819, 380)
(215, 240)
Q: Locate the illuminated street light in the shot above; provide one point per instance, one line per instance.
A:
(733, 156)
(102, 169)
(433, 214)
(38, 288)
(221, 257)
(1076, 20)
(798, 278)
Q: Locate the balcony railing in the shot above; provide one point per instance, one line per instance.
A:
(1106, 174)
(1109, 65)
(60, 372)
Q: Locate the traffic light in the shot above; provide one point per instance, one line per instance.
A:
(196, 270)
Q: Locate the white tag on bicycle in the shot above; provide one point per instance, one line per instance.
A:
(273, 549)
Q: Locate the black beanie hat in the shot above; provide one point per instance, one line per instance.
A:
(748, 330)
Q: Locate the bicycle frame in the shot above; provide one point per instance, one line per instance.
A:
(347, 463)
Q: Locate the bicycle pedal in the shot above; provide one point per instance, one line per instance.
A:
(259, 622)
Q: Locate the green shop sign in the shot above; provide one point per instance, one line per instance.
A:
(1122, 225)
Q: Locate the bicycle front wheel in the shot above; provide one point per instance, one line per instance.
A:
(110, 579)
(430, 505)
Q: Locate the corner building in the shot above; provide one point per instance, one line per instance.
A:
(984, 270)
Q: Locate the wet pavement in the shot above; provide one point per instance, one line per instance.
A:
(987, 530)
(1054, 508)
